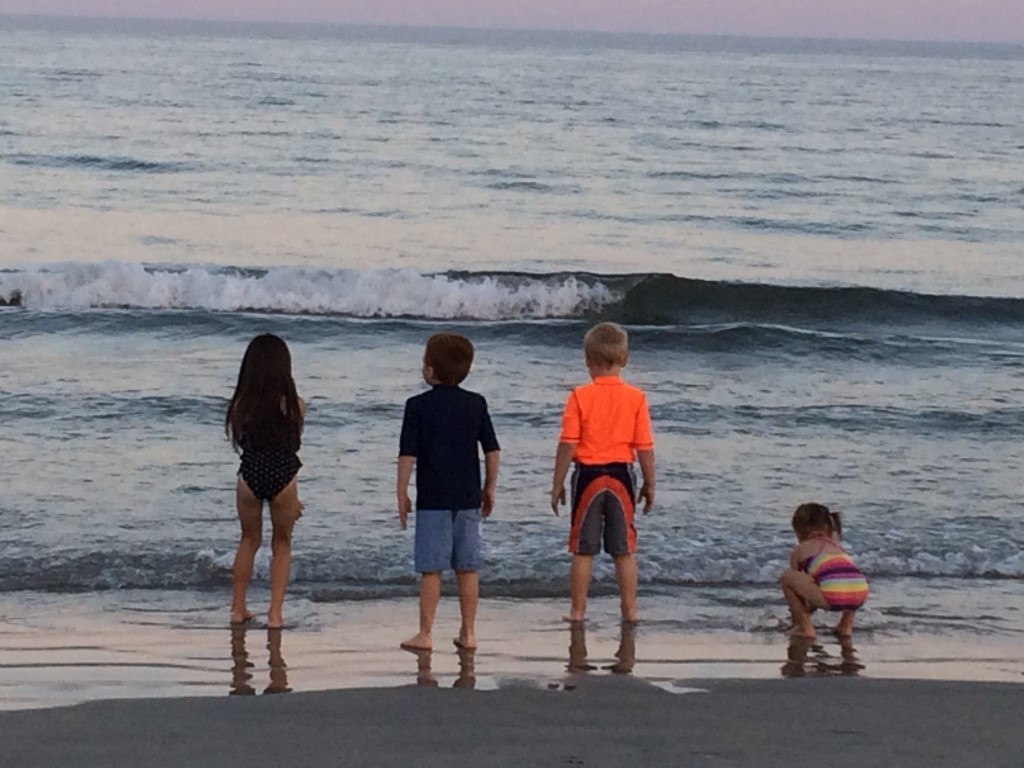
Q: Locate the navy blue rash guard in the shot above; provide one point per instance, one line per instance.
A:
(442, 429)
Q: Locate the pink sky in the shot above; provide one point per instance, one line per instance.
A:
(981, 20)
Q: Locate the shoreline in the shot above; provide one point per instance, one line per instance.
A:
(81, 649)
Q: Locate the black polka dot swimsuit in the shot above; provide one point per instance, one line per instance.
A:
(268, 472)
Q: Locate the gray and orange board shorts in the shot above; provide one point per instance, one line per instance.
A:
(603, 509)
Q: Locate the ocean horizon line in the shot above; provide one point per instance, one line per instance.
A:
(644, 39)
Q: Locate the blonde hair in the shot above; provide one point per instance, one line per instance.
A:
(606, 344)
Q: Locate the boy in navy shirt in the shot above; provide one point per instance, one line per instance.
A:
(440, 434)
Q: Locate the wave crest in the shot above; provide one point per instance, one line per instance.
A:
(639, 299)
(383, 293)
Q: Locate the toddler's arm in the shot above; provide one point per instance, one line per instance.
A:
(405, 465)
(491, 461)
(646, 459)
(794, 558)
(563, 458)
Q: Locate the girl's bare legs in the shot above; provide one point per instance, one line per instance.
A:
(626, 576)
(430, 596)
(801, 590)
(250, 515)
(469, 596)
(285, 509)
(579, 585)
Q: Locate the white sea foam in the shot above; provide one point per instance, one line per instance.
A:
(368, 293)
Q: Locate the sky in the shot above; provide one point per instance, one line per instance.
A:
(953, 20)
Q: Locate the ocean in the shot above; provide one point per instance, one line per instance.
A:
(816, 248)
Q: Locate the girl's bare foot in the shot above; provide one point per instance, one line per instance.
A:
(241, 617)
(418, 642)
(466, 641)
(632, 617)
(274, 621)
(574, 617)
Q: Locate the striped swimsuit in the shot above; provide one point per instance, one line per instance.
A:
(839, 579)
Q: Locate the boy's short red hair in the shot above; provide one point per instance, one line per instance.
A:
(450, 355)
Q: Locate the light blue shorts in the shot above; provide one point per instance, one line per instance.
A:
(447, 539)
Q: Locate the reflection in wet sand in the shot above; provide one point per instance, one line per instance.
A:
(278, 669)
(808, 658)
(241, 666)
(578, 648)
(467, 669)
(425, 674)
(625, 654)
(240, 674)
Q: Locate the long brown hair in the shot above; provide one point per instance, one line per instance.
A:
(264, 411)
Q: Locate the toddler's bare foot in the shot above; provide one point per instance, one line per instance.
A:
(844, 629)
(803, 630)
(419, 642)
(241, 617)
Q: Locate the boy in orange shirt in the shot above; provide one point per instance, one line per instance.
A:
(605, 425)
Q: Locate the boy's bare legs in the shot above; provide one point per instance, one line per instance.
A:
(800, 590)
(250, 515)
(285, 509)
(579, 585)
(469, 597)
(626, 576)
(430, 596)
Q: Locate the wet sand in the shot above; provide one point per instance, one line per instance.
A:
(604, 721)
(72, 649)
(114, 681)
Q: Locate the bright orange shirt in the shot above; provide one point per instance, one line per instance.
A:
(608, 421)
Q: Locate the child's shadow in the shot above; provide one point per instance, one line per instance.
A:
(807, 658)
(241, 668)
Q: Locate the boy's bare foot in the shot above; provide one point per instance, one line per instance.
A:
(418, 642)
(241, 617)
(465, 642)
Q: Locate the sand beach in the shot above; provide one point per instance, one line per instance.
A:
(114, 694)
(107, 683)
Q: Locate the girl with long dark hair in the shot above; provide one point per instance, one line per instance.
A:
(264, 423)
